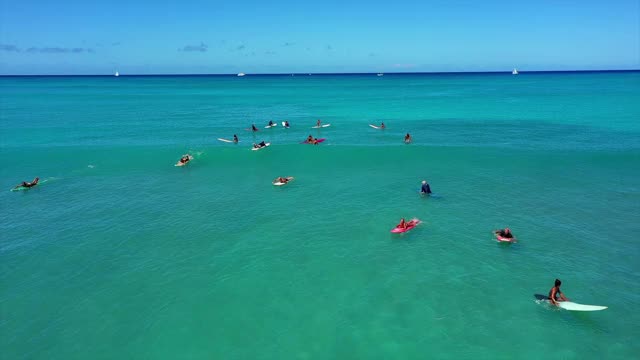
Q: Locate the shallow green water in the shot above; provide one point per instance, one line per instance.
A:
(122, 255)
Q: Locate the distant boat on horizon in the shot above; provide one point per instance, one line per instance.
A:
(515, 71)
(116, 74)
(241, 74)
(380, 74)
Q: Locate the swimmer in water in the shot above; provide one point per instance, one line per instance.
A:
(425, 189)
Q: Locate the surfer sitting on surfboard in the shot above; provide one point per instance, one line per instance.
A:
(318, 123)
(260, 145)
(286, 123)
(253, 127)
(402, 225)
(382, 126)
(235, 138)
(27, 184)
(407, 138)
(310, 139)
(555, 294)
(281, 180)
(270, 123)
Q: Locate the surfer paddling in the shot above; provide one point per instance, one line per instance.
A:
(555, 295)
(259, 145)
(184, 160)
(27, 184)
(282, 180)
(311, 140)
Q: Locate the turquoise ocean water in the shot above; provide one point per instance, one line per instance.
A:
(121, 255)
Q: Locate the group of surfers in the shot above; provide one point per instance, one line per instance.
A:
(555, 295)
(407, 137)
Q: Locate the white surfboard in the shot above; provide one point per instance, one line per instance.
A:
(568, 305)
(375, 127)
(571, 306)
(260, 148)
(270, 126)
(225, 140)
(321, 126)
(284, 124)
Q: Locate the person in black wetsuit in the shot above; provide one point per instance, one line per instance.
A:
(259, 145)
(253, 127)
(235, 138)
(555, 294)
(286, 123)
(425, 189)
(270, 122)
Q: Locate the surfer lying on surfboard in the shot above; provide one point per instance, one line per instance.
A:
(259, 145)
(27, 184)
(504, 235)
(281, 179)
(311, 140)
(555, 294)
(184, 160)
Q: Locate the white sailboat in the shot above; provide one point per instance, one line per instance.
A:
(380, 74)
(116, 74)
(241, 74)
(515, 71)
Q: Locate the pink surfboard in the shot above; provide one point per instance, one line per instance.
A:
(319, 141)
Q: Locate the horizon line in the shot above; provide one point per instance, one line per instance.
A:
(520, 72)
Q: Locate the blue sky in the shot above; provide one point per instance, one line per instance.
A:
(179, 37)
